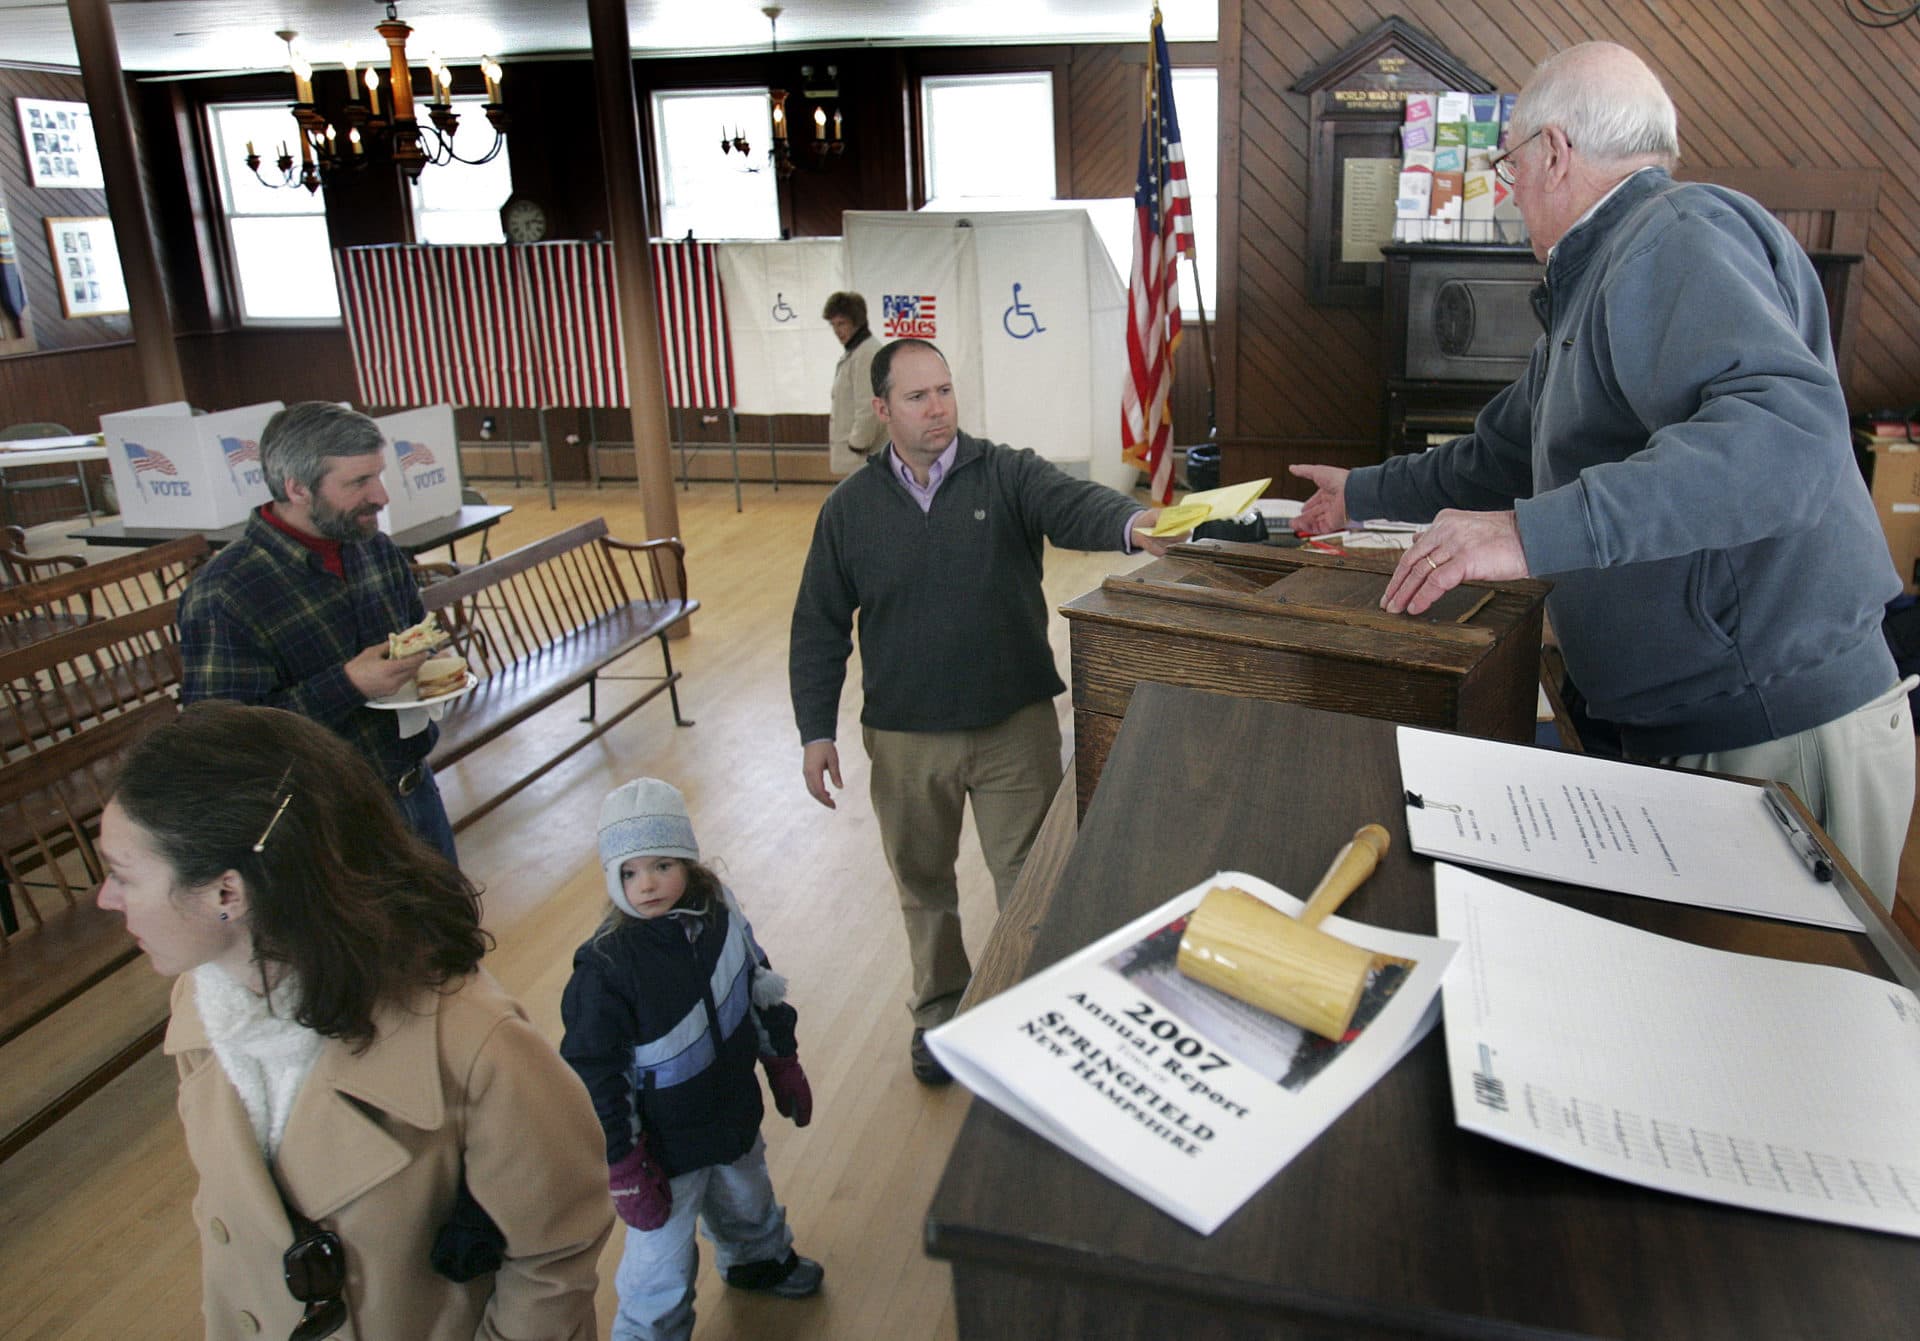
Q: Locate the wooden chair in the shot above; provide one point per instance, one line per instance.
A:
(18, 566)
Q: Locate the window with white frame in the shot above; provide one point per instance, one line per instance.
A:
(703, 191)
(983, 136)
(460, 202)
(1196, 101)
(282, 263)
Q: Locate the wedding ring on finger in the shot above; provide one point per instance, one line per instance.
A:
(1431, 565)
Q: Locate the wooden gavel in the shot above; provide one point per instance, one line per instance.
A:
(1252, 951)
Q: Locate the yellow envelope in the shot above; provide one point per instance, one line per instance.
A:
(1209, 505)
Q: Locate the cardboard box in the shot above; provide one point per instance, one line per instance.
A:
(174, 468)
(1895, 484)
(423, 467)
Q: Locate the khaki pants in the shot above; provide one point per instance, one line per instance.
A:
(921, 782)
(1856, 775)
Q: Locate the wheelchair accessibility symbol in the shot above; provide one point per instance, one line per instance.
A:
(1021, 310)
(781, 312)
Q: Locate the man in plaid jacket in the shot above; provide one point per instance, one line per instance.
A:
(295, 614)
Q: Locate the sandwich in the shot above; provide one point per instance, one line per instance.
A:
(441, 675)
(422, 637)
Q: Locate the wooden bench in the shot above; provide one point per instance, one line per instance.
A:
(65, 947)
(55, 603)
(547, 619)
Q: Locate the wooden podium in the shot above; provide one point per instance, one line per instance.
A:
(1300, 627)
(1394, 1223)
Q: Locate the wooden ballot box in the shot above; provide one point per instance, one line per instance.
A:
(1300, 627)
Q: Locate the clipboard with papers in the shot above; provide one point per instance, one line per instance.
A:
(1653, 832)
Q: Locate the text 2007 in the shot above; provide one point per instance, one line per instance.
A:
(1169, 1032)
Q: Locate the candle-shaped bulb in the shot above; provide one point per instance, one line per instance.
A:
(491, 72)
(373, 90)
(836, 123)
(250, 153)
(302, 79)
(819, 123)
(353, 140)
(353, 78)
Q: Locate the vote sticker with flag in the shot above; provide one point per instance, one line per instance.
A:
(908, 315)
(414, 454)
(243, 462)
(145, 460)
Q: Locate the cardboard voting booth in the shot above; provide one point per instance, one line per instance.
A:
(174, 468)
(1029, 310)
(783, 350)
(423, 467)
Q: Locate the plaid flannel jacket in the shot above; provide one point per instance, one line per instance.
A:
(265, 622)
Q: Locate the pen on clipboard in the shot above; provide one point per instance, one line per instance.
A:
(1804, 843)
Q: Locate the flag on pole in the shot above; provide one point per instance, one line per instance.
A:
(1164, 230)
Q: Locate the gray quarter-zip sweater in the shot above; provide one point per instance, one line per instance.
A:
(952, 618)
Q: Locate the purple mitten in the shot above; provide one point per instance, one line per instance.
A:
(641, 1194)
(791, 1093)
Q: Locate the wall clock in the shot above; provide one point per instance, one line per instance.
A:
(523, 219)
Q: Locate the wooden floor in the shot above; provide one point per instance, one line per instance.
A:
(95, 1234)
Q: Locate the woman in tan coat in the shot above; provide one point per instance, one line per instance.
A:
(386, 1146)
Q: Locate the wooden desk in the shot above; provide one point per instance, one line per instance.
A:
(469, 520)
(1394, 1223)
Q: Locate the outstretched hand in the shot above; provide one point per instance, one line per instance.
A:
(1326, 510)
(1458, 547)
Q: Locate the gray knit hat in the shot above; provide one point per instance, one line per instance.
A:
(642, 818)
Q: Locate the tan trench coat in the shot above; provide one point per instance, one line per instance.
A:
(373, 1151)
(854, 429)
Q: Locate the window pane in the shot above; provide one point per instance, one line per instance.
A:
(988, 135)
(475, 192)
(268, 126)
(717, 195)
(284, 268)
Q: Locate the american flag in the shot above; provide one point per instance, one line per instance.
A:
(144, 460)
(1165, 231)
(239, 451)
(413, 454)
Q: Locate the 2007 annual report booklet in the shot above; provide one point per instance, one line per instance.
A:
(1180, 1093)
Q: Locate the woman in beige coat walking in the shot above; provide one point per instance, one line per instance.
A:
(386, 1146)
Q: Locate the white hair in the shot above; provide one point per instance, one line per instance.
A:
(1609, 104)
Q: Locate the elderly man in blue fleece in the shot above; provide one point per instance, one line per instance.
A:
(1677, 461)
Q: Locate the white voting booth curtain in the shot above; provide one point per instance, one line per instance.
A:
(1028, 309)
(783, 351)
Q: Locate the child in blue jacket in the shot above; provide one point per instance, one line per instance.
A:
(670, 1004)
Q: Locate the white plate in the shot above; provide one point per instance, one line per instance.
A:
(410, 696)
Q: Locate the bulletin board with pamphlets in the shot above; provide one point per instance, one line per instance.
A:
(1357, 110)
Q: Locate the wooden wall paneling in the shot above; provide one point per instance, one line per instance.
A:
(28, 209)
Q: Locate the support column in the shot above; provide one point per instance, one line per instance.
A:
(633, 270)
(127, 200)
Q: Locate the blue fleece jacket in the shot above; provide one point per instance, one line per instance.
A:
(1678, 459)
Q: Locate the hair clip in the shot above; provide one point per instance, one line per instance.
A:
(279, 810)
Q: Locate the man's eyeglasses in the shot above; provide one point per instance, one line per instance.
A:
(316, 1271)
(1502, 163)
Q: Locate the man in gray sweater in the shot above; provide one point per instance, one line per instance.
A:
(936, 542)
(1677, 460)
